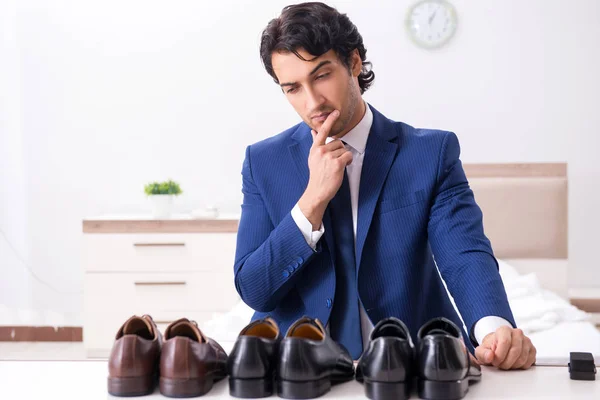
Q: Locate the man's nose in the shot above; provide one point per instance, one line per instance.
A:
(314, 100)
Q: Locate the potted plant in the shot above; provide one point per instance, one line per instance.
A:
(162, 194)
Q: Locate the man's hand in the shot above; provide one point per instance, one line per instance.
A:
(507, 348)
(326, 163)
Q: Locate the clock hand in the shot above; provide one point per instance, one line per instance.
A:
(432, 16)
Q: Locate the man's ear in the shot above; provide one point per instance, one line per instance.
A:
(356, 63)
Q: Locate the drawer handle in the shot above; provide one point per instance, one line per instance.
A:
(159, 244)
(166, 283)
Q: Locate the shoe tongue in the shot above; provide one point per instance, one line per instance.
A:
(307, 328)
(187, 328)
(440, 326)
(391, 330)
(390, 327)
(135, 324)
(437, 332)
(266, 328)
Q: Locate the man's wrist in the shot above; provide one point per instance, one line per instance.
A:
(488, 325)
(313, 210)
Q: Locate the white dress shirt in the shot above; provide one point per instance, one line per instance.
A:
(356, 142)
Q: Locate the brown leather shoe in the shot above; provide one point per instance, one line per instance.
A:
(134, 358)
(190, 362)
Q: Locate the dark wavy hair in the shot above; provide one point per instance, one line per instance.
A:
(316, 28)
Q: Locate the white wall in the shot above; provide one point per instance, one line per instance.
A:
(15, 284)
(117, 93)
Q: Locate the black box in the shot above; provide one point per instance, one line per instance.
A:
(582, 367)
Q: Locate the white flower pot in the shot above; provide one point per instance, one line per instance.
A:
(162, 205)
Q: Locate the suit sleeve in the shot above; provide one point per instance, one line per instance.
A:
(268, 258)
(461, 250)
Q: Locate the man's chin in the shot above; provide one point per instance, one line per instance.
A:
(335, 130)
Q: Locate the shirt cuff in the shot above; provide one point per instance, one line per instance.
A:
(487, 325)
(311, 237)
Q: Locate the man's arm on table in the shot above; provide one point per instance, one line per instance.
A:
(465, 259)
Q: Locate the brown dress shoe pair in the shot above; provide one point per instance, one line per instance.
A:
(185, 362)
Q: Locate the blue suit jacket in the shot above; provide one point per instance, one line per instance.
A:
(415, 205)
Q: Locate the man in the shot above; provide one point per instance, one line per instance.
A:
(346, 214)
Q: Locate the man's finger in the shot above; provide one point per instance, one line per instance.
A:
(531, 359)
(346, 158)
(484, 355)
(334, 145)
(503, 345)
(338, 152)
(516, 349)
(522, 358)
(319, 140)
(525, 354)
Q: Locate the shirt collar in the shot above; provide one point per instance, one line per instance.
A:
(357, 137)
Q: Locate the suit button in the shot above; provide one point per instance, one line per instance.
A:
(300, 260)
(290, 269)
(295, 266)
(286, 273)
(329, 303)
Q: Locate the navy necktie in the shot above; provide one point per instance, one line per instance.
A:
(345, 316)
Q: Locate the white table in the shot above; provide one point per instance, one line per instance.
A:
(87, 380)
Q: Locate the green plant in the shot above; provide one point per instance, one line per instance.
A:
(167, 187)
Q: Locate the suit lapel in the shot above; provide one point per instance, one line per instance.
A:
(380, 153)
(299, 150)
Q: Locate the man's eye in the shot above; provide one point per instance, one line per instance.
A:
(322, 76)
(292, 90)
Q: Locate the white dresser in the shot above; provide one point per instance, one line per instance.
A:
(173, 268)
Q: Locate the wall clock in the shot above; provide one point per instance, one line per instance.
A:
(431, 23)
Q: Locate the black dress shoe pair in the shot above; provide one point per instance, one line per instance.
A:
(304, 364)
(440, 364)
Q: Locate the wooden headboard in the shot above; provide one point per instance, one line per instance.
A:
(524, 208)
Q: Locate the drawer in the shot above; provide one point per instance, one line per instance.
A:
(159, 252)
(153, 293)
(111, 298)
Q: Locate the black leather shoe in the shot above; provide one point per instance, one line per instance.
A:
(252, 361)
(445, 368)
(310, 361)
(387, 365)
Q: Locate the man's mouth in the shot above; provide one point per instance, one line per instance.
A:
(320, 117)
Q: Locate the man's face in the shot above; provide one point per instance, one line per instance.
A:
(315, 88)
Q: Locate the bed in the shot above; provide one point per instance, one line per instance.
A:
(525, 217)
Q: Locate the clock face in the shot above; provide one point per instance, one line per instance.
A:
(431, 23)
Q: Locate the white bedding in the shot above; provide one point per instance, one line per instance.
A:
(553, 324)
(554, 344)
(535, 308)
(555, 327)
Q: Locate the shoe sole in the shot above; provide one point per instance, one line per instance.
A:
(182, 388)
(442, 390)
(307, 389)
(131, 386)
(387, 390)
(303, 390)
(250, 388)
